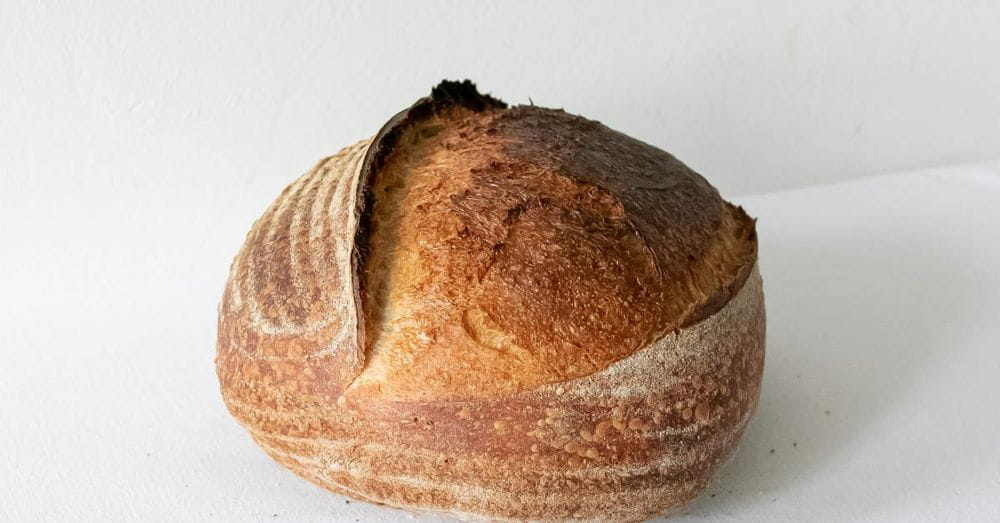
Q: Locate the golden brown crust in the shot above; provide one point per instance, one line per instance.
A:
(559, 321)
(515, 247)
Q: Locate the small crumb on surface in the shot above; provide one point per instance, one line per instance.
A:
(772, 451)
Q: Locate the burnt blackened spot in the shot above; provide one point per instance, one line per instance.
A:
(463, 94)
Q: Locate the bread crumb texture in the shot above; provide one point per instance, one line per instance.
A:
(498, 313)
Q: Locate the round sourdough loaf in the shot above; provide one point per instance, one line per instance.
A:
(497, 313)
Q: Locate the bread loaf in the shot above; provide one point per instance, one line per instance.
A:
(497, 313)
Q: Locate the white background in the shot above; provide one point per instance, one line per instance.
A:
(189, 117)
(139, 140)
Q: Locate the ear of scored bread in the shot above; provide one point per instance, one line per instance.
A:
(503, 313)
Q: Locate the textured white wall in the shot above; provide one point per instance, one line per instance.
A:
(131, 128)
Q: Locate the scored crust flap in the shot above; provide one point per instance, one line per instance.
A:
(445, 96)
(292, 314)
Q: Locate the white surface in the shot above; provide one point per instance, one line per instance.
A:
(879, 395)
(762, 95)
